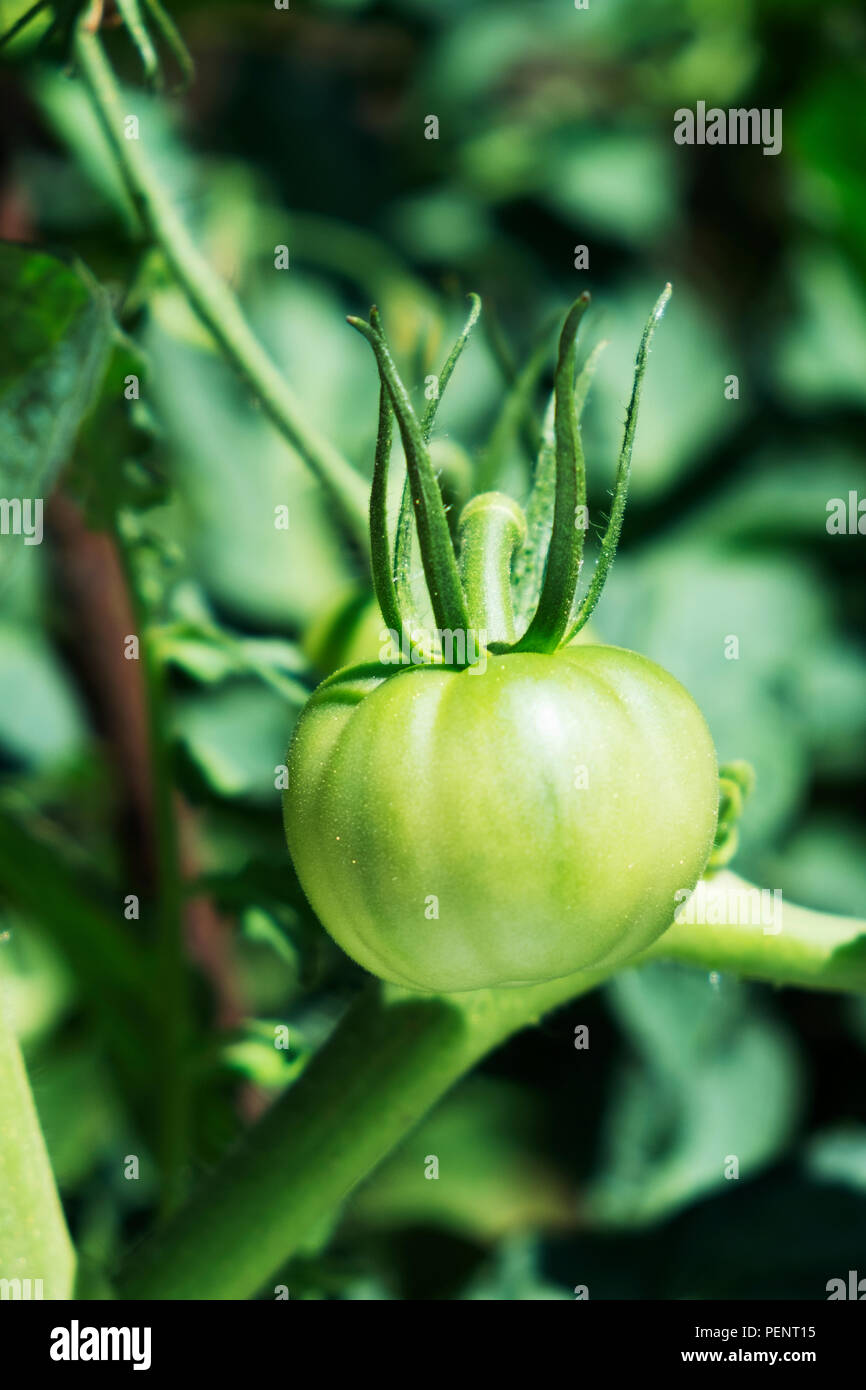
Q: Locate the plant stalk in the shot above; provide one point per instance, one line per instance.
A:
(34, 1241)
(211, 299)
(492, 526)
(392, 1057)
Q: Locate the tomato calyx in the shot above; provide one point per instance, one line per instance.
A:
(736, 783)
(513, 586)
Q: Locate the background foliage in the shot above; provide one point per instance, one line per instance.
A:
(305, 128)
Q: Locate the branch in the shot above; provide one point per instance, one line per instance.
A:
(34, 1241)
(392, 1057)
(211, 299)
(812, 950)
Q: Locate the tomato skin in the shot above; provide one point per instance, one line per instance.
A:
(552, 806)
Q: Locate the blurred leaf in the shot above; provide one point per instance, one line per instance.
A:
(114, 464)
(76, 1111)
(261, 928)
(443, 226)
(714, 1082)
(779, 496)
(822, 356)
(683, 409)
(232, 473)
(514, 1276)
(826, 137)
(38, 987)
(68, 109)
(491, 1180)
(67, 898)
(254, 1055)
(781, 1236)
(617, 183)
(680, 604)
(822, 864)
(40, 720)
(211, 654)
(839, 1156)
(53, 351)
(236, 736)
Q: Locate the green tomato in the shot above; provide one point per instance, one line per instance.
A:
(458, 829)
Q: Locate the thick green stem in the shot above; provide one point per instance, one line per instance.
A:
(34, 1241)
(491, 528)
(393, 1056)
(214, 303)
(170, 965)
(173, 1042)
(731, 926)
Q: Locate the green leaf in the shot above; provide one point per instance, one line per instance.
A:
(77, 1109)
(491, 1179)
(680, 604)
(822, 359)
(236, 735)
(838, 1155)
(115, 464)
(57, 331)
(38, 985)
(211, 654)
(616, 183)
(714, 1082)
(40, 722)
(254, 1054)
(232, 473)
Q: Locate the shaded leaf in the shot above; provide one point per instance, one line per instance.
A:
(715, 1083)
(53, 351)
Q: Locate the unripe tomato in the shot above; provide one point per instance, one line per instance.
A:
(348, 634)
(457, 829)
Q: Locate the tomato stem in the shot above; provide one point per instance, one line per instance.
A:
(212, 300)
(565, 550)
(34, 1239)
(491, 528)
